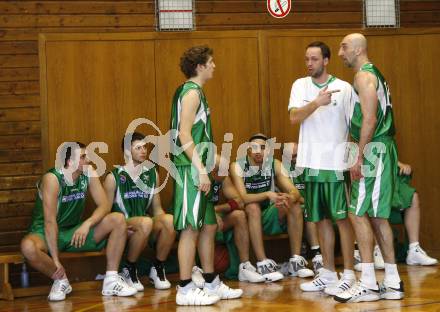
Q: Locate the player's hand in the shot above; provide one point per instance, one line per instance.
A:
(204, 183)
(80, 235)
(404, 169)
(355, 171)
(325, 96)
(273, 197)
(59, 272)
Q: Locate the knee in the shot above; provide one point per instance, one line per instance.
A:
(168, 222)
(117, 220)
(210, 228)
(253, 210)
(28, 248)
(145, 225)
(239, 218)
(295, 209)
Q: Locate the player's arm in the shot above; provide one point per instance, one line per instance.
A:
(232, 196)
(190, 104)
(365, 83)
(298, 114)
(103, 207)
(49, 189)
(284, 183)
(237, 179)
(110, 188)
(156, 203)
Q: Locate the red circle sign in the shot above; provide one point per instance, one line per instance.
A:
(279, 8)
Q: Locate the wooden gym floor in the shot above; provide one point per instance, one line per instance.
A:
(422, 294)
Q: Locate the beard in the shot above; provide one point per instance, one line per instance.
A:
(318, 73)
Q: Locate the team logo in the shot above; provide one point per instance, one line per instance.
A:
(123, 179)
(279, 8)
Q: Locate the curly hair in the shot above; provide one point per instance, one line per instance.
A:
(193, 57)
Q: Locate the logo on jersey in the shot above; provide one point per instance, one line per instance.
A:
(122, 178)
(279, 8)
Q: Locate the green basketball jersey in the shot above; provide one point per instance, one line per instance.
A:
(129, 198)
(298, 181)
(201, 130)
(385, 120)
(70, 202)
(258, 181)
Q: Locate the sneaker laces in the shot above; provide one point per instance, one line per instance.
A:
(300, 262)
(420, 250)
(59, 286)
(273, 266)
(132, 271)
(317, 263)
(248, 266)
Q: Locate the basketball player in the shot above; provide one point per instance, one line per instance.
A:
(194, 214)
(319, 102)
(141, 207)
(56, 224)
(372, 185)
(255, 177)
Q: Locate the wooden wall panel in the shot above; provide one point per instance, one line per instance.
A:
(113, 92)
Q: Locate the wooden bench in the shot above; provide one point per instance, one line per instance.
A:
(8, 293)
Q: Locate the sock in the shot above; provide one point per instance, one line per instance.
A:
(130, 265)
(158, 264)
(183, 283)
(356, 247)
(349, 274)
(392, 278)
(315, 250)
(111, 273)
(328, 275)
(413, 245)
(209, 277)
(368, 276)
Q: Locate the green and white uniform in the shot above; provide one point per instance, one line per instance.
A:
(71, 201)
(258, 180)
(322, 148)
(131, 200)
(191, 207)
(373, 194)
(402, 198)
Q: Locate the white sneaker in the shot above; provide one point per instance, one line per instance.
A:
(391, 293)
(345, 283)
(269, 270)
(379, 264)
(358, 293)
(357, 261)
(217, 288)
(298, 267)
(159, 279)
(323, 279)
(417, 256)
(317, 263)
(192, 295)
(60, 288)
(131, 278)
(248, 273)
(197, 277)
(115, 285)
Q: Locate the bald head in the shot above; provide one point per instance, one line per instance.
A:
(353, 50)
(357, 40)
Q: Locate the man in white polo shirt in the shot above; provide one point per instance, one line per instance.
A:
(320, 102)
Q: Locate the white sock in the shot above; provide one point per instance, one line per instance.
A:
(392, 277)
(328, 275)
(368, 276)
(349, 274)
(413, 245)
(111, 273)
(314, 247)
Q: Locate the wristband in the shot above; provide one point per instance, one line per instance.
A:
(233, 204)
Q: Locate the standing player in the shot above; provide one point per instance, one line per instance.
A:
(194, 215)
(373, 175)
(56, 225)
(142, 209)
(320, 103)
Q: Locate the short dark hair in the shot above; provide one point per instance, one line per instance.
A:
(193, 57)
(67, 146)
(135, 136)
(258, 136)
(325, 50)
